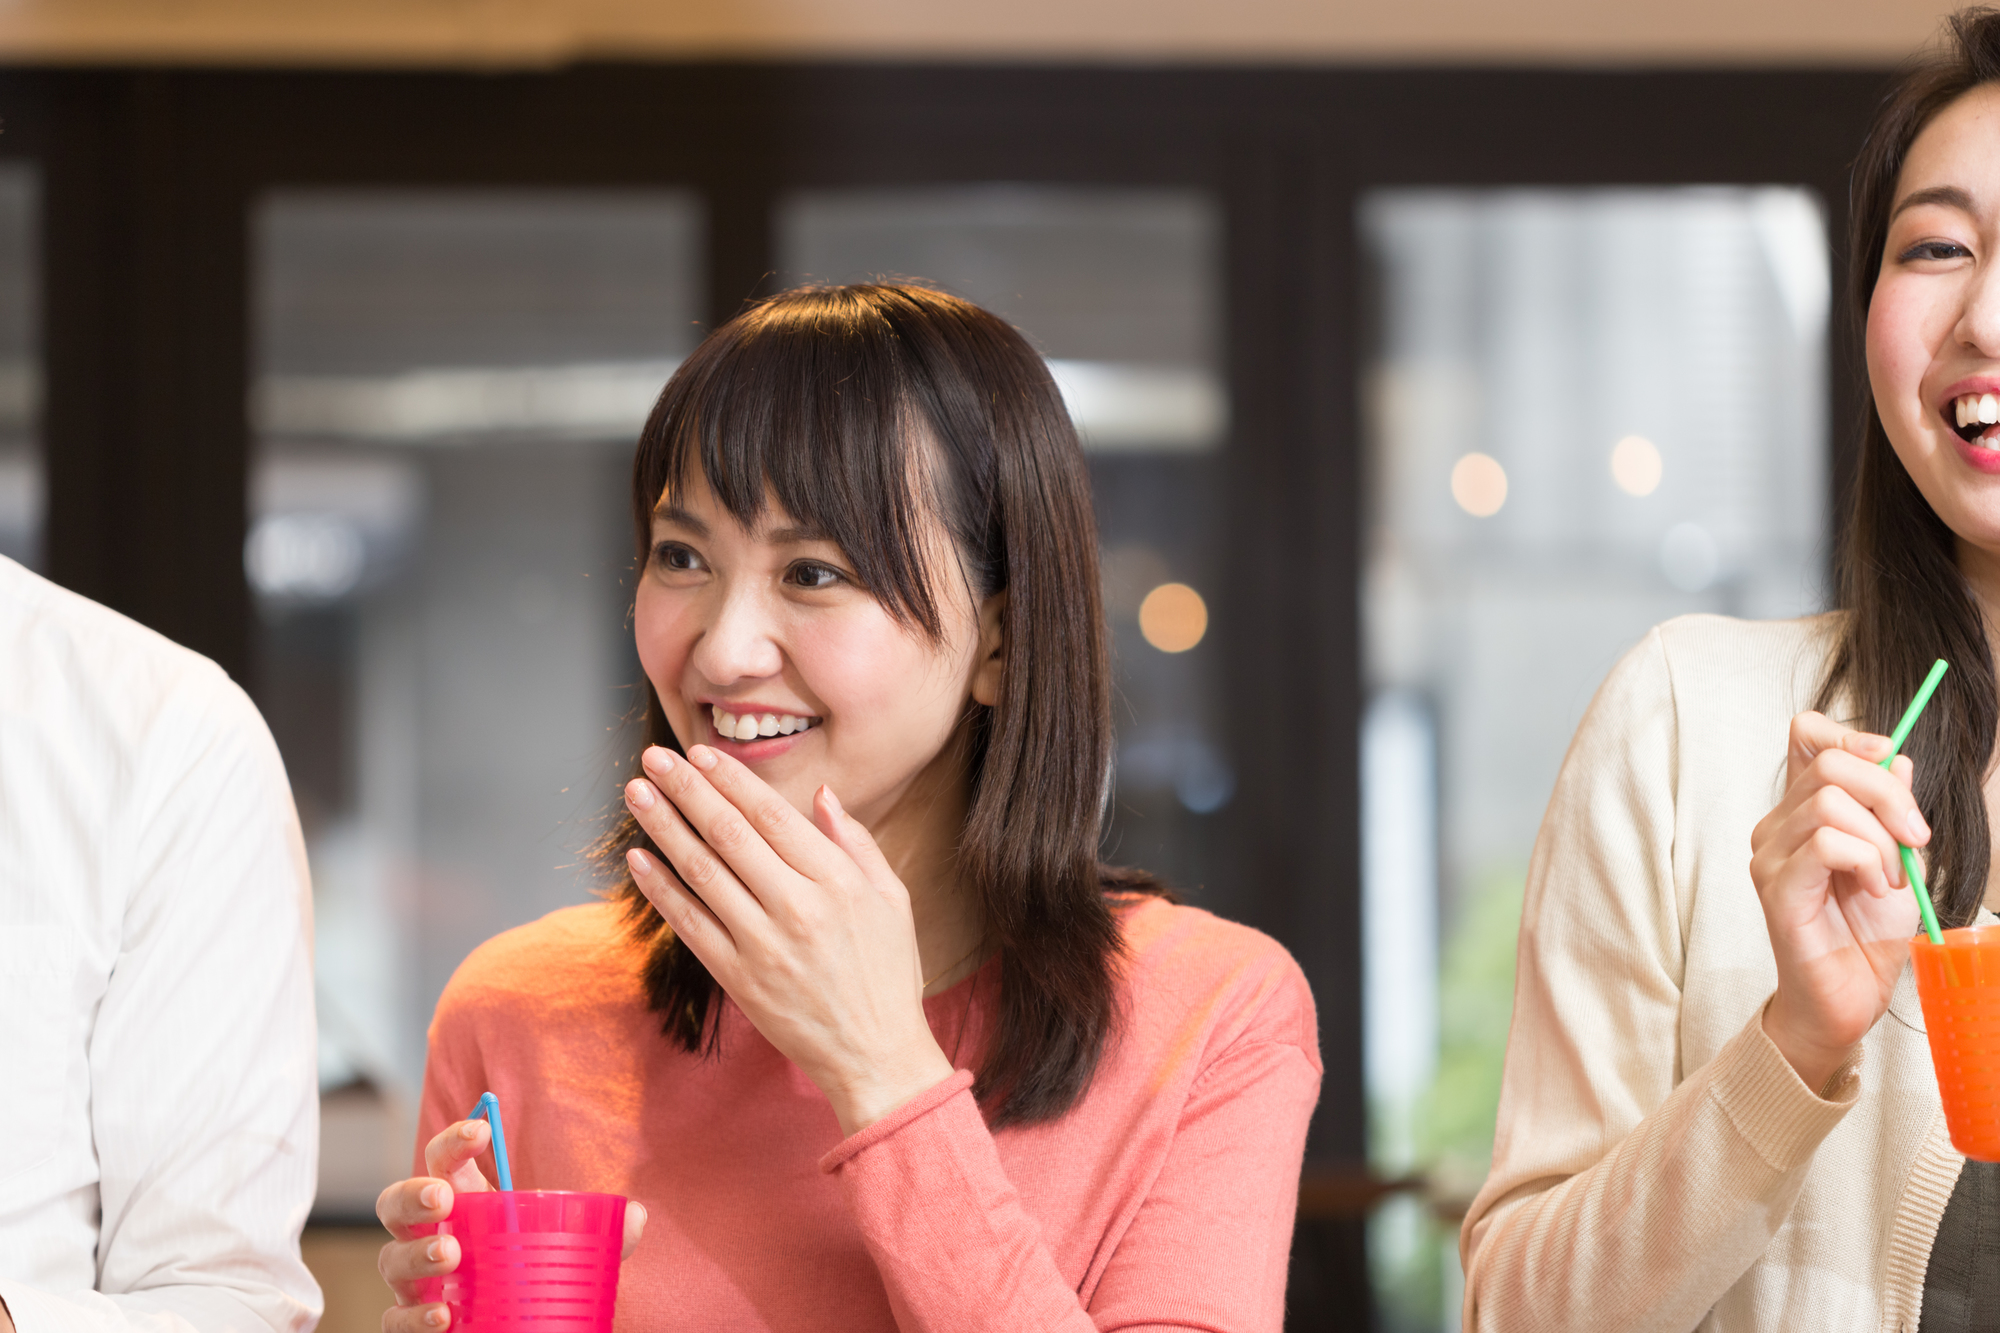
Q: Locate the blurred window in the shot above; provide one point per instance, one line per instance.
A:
(1589, 411)
(22, 488)
(1120, 290)
(447, 388)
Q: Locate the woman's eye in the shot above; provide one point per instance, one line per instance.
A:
(812, 574)
(676, 557)
(1935, 250)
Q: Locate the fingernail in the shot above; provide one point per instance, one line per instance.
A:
(430, 1196)
(432, 1251)
(1918, 828)
(640, 793)
(702, 757)
(834, 801)
(637, 860)
(469, 1129)
(657, 759)
(435, 1318)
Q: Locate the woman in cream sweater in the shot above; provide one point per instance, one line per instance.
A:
(1719, 1109)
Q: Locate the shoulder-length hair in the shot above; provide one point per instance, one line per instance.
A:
(863, 411)
(1906, 600)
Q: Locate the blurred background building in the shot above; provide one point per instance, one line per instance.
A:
(1424, 356)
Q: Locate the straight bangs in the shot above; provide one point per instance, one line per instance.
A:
(872, 415)
(821, 405)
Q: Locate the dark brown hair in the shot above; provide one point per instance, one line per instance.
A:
(831, 402)
(1907, 603)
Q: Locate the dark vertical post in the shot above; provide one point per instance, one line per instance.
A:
(145, 428)
(1295, 516)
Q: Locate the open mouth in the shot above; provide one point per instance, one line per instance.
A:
(1975, 417)
(754, 726)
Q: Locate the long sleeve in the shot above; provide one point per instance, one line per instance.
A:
(202, 1097)
(1207, 1250)
(1624, 1194)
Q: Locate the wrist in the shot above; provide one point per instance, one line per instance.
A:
(1814, 1062)
(860, 1102)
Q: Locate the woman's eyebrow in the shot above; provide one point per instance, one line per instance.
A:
(798, 532)
(667, 512)
(1950, 196)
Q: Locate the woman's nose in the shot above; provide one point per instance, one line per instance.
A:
(1979, 321)
(739, 641)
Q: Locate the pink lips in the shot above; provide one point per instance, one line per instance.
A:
(1980, 460)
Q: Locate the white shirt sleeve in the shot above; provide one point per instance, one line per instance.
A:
(203, 1102)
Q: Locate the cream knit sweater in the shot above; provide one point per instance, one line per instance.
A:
(1657, 1165)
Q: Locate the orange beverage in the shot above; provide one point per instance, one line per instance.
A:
(1959, 984)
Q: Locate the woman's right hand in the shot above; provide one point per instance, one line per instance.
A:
(1830, 877)
(410, 1259)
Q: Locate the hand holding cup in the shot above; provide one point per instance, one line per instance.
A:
(412, 1209)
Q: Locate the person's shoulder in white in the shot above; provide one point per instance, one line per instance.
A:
(155, 981)
(84, 659)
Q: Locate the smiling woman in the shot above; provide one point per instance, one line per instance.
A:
(1719, 1105)
(867, 1032)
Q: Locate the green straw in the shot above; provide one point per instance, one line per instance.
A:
(1896, 739)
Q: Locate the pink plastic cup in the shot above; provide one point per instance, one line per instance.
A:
(532, 1261)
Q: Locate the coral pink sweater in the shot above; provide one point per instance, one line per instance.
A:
(1162, 1200)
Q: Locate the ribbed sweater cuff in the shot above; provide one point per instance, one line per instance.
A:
(917, 1107)
(1781, 1118)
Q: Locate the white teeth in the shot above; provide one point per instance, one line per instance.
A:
(751, 726)
(1989, 408)
(1958, 408)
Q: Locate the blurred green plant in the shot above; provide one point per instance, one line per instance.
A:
(1475, 1004)
(1410, 1247)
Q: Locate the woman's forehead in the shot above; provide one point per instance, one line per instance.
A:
(1955, 160)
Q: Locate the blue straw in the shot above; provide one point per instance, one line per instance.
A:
(489, 1108)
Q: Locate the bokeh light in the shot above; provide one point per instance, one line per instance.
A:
(1635, 465)
(1479, 484)
(1173, 617)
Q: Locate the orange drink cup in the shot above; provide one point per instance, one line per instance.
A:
(1958, 983)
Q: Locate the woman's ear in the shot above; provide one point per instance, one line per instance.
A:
(992, 649)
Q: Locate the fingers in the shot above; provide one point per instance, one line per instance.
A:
(1801, 878)
(705, 839)
(411, 1203)
(698, 927)
(1811, 735)
(416, 1318)
(405, 1264)
(777, 824)
(851, 836)
(1835, 808)
(452, 1155)
(635, 1227)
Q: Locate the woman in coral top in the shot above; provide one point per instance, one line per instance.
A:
(866, 1031)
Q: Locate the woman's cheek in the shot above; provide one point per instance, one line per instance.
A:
(1899, 355)
(661, 641)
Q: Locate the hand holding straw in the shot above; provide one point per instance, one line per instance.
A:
(1910, 866)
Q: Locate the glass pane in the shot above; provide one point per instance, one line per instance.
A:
(1589, 411)
(21, 483)
(1120, 290)
(446, 392)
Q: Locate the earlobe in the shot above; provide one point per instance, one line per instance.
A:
(992, 650)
